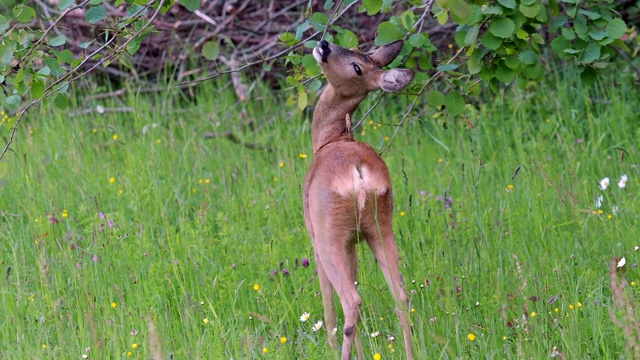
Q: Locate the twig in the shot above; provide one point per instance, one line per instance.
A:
(427, 9)
(415, 100)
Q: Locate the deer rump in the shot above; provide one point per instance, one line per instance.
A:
(350, 182)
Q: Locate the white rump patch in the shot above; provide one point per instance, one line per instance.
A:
(358, 182)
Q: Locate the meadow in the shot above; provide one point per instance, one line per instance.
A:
(176, 228)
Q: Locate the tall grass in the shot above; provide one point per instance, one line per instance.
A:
(112, 224)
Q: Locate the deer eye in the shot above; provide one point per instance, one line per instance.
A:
(357, 69)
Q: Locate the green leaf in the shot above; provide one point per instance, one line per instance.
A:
(493, 10)
(288, 38)
(509, 4)
(65, 56)
(57, 41)
(472, 35)
(460, 8)
(372, 6)
(435, 98)
(4, 24)
(191, 5)
(557, 22)
(347, 39)
(408, 18)
(475, 62)
(211, 50)
(568, 33)
(13, 100)
(417, 40)
(134, 45)
(559, 44)
(61, 101)
(302, 98)
(301, 29)
(528, 57)
(512, 61)
(95, 14)
(505, 74)
(328, 5)
(63, 4)
(448, 67)
(616, 28)
(442, 17)
(530, 11)
(454, 102)
(537, 39)
(502, 28)
(591, 53)
(24, 13)
(388, 32)
(37, 87)
(619, 43)
(318, 21)
(590, 14)
(6, 53)
(53, 65)
(597, 34)
(491, 42)
(311, 65)
(580, 24)
(85, 45)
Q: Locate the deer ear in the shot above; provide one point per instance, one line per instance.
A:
(396, 79)
(386, 53)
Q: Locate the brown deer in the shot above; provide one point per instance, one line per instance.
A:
(347, 191)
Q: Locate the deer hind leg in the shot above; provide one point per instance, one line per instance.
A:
(354, 277)
(326, 289)
(336, 253)
(383, 244)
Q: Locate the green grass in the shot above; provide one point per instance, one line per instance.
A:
(197, 222)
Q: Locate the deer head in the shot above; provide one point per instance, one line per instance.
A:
(353, 73)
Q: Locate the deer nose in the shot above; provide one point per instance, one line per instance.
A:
(323, 44)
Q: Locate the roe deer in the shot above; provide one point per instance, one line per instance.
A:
(347, 191)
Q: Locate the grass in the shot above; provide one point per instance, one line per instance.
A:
(160, 238)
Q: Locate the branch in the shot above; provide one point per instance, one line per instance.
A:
(279, 54)
(52, 89)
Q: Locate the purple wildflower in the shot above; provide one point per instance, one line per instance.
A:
(305, 262)
(95, 258)
(285, 272)
(110, 223)
(78, 266)
(102, 215)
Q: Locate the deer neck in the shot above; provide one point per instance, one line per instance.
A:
(329, 123)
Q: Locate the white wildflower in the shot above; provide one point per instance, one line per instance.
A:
(304, 317)
(604, 183)
(317, 326)
(623, 181)
(599, 201)
(622, 262)
(375, 334)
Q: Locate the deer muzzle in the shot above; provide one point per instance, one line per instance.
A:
(321, 51)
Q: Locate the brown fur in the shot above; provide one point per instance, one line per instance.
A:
(347, 191)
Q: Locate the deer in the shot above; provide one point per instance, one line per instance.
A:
(347, 194)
